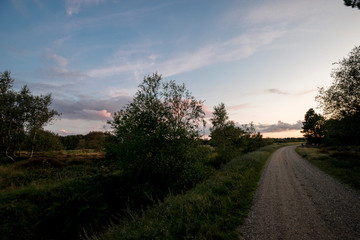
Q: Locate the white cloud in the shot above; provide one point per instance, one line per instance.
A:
(59, 67)
(59, 60)
(60, 41)
(74, 6)
(280, 92)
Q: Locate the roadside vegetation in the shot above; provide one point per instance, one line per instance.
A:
(333, 137)
(212, 210)
(340, 102)
(343, 163)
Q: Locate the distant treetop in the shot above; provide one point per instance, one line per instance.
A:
(352, 3)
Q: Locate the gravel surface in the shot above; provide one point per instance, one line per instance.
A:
(295, 200)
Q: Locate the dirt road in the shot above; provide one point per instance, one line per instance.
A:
(297, 201)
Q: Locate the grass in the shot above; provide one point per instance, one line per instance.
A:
(50, 195)
(50, 167)
(212, 210)
(343, 163)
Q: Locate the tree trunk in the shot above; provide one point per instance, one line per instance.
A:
(8, 155)
(33, 145)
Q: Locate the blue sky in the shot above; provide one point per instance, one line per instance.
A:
(263, 59)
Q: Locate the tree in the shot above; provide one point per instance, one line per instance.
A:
(223, 132)
(154, 134)
(220, 116)
(225, 136)
(352, 3)
(47, 141)
(95, 140)
(22, 116)
(342, 98)
(251, 140)
(313, 127)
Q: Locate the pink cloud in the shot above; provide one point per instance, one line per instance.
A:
(62, 132)
(206, 110)
(237, 107)
(102, 114)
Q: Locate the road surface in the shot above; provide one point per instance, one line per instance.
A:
(295, 200)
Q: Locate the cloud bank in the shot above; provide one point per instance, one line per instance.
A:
(278, 127)
(88, 108)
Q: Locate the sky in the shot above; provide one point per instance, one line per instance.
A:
(264, 59)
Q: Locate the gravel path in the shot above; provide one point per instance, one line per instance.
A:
(295, 200)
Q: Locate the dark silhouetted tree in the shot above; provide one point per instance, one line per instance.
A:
(352, 3)
(342, 98)
(47, 141)
(313, 127)
(220, 116)
(95, 140)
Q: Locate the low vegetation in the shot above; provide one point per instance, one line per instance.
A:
(212, 210)
(342, 163)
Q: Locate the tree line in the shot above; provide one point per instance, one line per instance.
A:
(155, 139)
(340, 122)
(23, 117)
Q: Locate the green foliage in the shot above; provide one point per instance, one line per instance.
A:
(313, 127)
(212, 210)
(230, 140)
(345, 131)
(155, 135)
(47, 141)
(70, 142)
(22, 116)
(225, 136)
(220, 117)
(93, 140)
(342, 98)
(340, 162)
(341, 102)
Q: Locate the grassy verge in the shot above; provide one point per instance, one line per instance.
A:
(343, 163)
(212, 210)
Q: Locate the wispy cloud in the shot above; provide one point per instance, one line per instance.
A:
(277, 91)
(233, 49)
(59, 60)
(74, 6)
(281, 92)
(238, 107)
(60, 41)
(306, 92)
(278, 127)
(16, 51)
(58, 67)
(19, 5)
